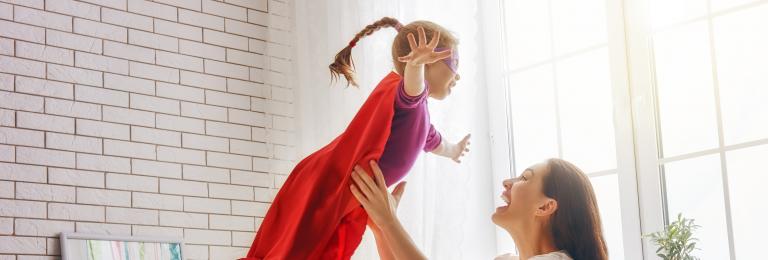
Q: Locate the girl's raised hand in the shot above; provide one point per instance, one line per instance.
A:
(423, 52)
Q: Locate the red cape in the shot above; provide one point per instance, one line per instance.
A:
(316, 196)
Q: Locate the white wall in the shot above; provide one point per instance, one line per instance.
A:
(130, 117)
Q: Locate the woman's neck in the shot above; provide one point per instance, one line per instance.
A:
(532, 239)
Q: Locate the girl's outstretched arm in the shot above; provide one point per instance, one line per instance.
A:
(421, 53)
(453, 151)
(381, 208)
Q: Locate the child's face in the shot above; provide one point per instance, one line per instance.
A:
(441, 80)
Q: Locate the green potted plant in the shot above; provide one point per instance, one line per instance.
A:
(676, 242)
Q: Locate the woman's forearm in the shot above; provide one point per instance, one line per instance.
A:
(385, 252)
(399, 242)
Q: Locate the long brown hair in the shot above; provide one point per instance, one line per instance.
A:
(575, 226)
(344, 66)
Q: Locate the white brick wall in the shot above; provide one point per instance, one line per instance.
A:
(143, 117)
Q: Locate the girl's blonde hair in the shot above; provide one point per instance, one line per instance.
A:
(343, 64)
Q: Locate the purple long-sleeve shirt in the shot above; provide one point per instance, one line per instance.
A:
(411, 133)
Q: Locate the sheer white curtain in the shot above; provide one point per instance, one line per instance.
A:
(447, 206)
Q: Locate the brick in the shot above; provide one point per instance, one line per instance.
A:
(280, 51)
(203, 80)
(247, 117)
(227, 252)
(264, 194)
(204, 205)
(259, 134)
(44, 192)
(178, 30)
(155, 136)
(117, 4)
(153, 231)
(45, 157)
(73, 143)
(245, 58)
(180, 155)
(206, 174)
(101, 30)
(283, 123)
(280, 65)
(282, 137)
(203, 111)
(278, 22)
(225, 10)
(232, 161)
(130, 84)
(227, 99)
(73, 41)
(188, 4)
(7, 153)
(248, 88)
(103, 228)
(257, 179)
(7, 117)
(126, 19)
(157, 201)
(6, 80)
(179, 61)
(75, 212)
(252, 4)
(281, 108)
(6, 225)
(132, 216)
(132, 182)
(243, 239)
(17, 101)
(76, 177)
(74, 75)
(74, 8)
(180, 123)
(22, 245)
(261, 164)
(129, 149)
(226, 69)
(257, 74)
(282, 94)
(130, 52)
(232, 223)
(227, 130)
(183, 219)
(43, 228)
(42, 18)
(202, 50)
(246, 29)
(44, 87)
(22, 31)
(162, 105)
(101, 96)
(257, 46)
(21, 137)
(225, 191)
(204, 142)
(128, 116)
(279, 37)
(245, 208)
(154, 72)
(201, 20)
(152, 9)
(102, 129)
(249, 148)
(103, 163)
(6, 12)
(159, 169)
(225, 39)
(208, 237)
(101, 63)
(44, 53)
(22, 208)
(151, 40)
(180, 92)
(103, 197)
(22, 67)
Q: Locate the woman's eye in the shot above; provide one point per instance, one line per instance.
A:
(522, 177)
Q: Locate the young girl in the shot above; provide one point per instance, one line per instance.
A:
(315, 216)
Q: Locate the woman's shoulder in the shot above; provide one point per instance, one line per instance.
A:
(506, 257)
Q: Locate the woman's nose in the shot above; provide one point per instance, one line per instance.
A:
(508, 183)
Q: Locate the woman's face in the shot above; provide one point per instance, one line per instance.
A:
(441, 79)
(525, 198)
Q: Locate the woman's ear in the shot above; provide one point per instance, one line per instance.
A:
(547, 208)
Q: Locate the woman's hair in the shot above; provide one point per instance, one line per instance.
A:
(575, 225)
(344, 66)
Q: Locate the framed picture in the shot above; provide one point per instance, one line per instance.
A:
(79, 246)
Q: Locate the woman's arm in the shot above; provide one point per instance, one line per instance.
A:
(381, 208)
(385, 252)
(421, 53)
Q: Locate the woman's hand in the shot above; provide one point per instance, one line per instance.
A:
(423, 52)
(372, 194)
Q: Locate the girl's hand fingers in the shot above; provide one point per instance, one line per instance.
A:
(435, 39)
(442, 55)
(412, 41)
(380, 182)
(422, 36)
(406, 58)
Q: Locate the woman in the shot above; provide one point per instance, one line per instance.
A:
(551, 213)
